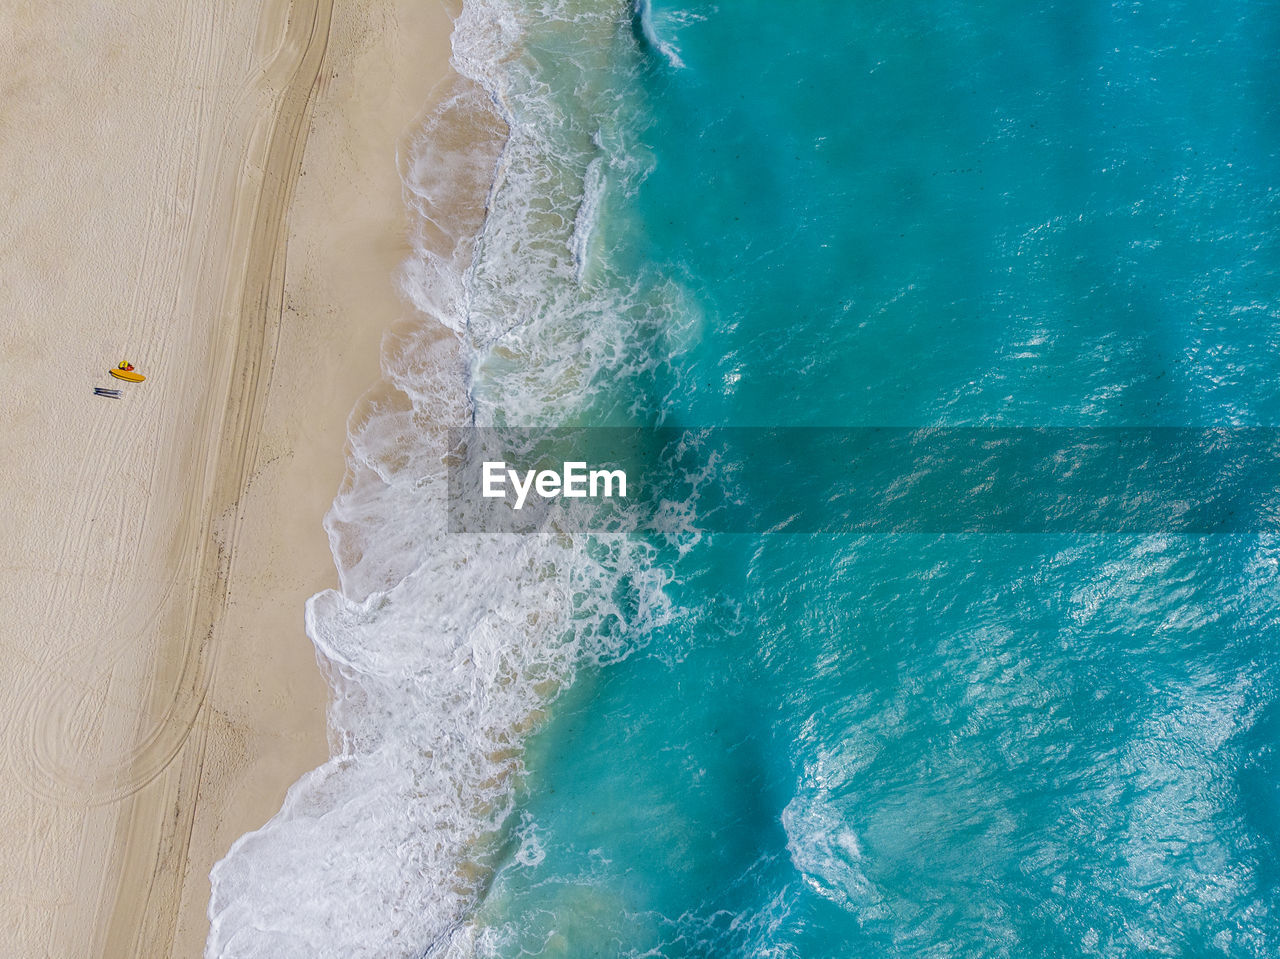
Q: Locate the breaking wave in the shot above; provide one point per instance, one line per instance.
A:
(442, 650)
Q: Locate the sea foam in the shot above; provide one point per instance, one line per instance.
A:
(442, 650)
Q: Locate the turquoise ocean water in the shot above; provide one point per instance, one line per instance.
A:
(906, 214)
(841, 214)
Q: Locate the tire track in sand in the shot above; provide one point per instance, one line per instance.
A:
(144, 911)
(52, 744)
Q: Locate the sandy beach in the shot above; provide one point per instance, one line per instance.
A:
(213, 194)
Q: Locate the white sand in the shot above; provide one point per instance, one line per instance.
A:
(159, 692)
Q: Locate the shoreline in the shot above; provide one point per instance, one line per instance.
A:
(172, 696)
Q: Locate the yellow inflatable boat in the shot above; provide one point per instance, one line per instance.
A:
(125, 371)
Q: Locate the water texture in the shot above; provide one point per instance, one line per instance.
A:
(675, 739)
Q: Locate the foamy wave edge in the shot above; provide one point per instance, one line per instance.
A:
(441, 650)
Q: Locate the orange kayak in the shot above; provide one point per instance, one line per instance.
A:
(129, 375)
